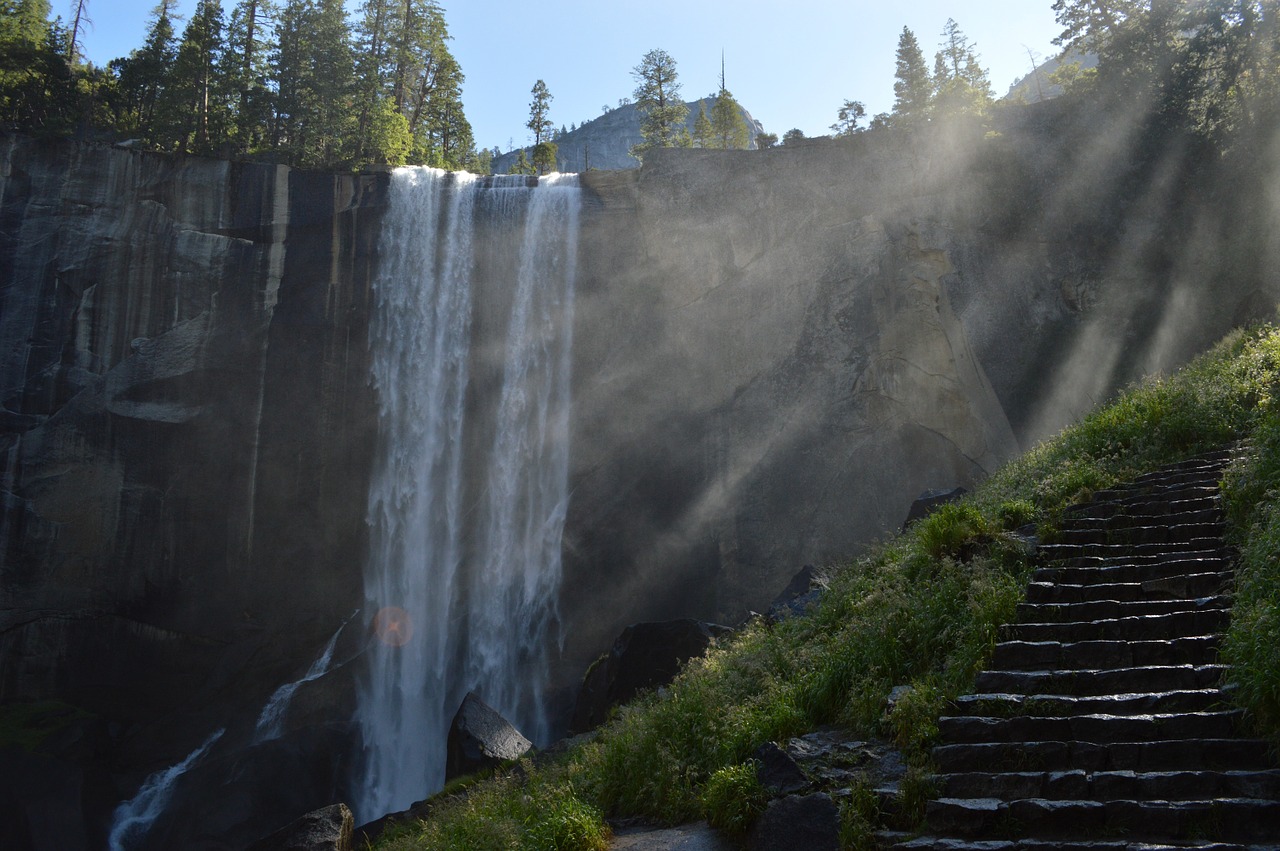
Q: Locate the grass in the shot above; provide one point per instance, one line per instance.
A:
(922, 610)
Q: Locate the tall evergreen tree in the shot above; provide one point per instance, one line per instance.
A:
(960, 82)
(144, 73)
(314, 76)
(539, 108)
(912, 86)
(702, 129)
(662, 112)
(191, 115)
(247, 71)
(728, 128)
(1089, 24)
(24, 34)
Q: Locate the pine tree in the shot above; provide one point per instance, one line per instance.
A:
(702, 129)
(960, 82)
(1088, 25)
(246, 71)
(191, 113)
(848, 117)
(662, 113)
(729, 129)
(539, 108)
(144, 73)
(24, 32)
(912, 86)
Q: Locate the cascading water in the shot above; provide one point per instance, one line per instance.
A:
(469, 489)
(132, 819)
(271, 721)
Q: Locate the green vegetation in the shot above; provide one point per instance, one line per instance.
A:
(293, 82)
(26, 725)
(922, 610)
(662, 112)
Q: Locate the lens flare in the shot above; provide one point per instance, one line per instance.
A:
(393, 626)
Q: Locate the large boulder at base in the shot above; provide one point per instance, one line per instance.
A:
(797, 823)
(777, 771)
(481, 738)
(930, 501)
(645, 655)
(325, 829)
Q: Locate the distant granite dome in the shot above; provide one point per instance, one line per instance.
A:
(605, 142)
(1037, 86)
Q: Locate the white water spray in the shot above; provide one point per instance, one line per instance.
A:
(271, 722)
(464, 563)
(133, 818)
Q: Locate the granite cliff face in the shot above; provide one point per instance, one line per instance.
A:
(775, 352)
(186, 404)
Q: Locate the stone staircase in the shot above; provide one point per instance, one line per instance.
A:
(1102, 723)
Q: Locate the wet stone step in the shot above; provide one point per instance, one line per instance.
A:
(1164, 533)
(1112, 609)
(1090, 728)
(1159, 507)
(1040, 655)
(1126, 556)
(1172, 755)
(1102, 681)
(1109, 573)
(1224, 818)
(1139, 703)
(1125, 552)
(930, 843)
(1119, 516)
(1140, 628)
(1170, 588)
(1113, 785)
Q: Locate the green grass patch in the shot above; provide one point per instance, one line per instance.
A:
(922, 610)
(27, 725)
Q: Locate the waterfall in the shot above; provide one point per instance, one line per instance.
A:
(133, 818)
(271, 722)
(470, 348)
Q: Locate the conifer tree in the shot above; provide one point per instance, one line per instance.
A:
(144, 73)
(702, 130)
(539, 108)
(729, 129)
(960, 82)
(848, 117)
(191, 115)
(662, 112)
(246, 71)
(912, 86)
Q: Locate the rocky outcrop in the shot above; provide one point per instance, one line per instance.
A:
(644, 656)
(604, 143)
(326, 829)
(481, 739)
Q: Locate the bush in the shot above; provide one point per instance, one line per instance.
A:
(733, 798)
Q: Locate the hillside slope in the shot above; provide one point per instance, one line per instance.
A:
(920, 611)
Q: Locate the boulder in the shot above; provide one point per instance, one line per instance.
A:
(797, 597)
(645, 655)
(929, 501)
(777, 771)
(480, 738)
(325, 829)
(797, 823)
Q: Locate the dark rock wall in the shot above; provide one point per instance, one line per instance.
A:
(187, 420)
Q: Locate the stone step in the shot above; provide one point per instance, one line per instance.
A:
(1091, 511)
(1102, 681)
(890, 841)
(1126, 555)
(1041, 655)
(1141, 628)
(1125, 552)
(1185, 586)
(1101, 728)
(1112, 785)
(1040, 613)
(1169, 755)
(1116, 515)
(1246, 819)
(1134, 535)
(1138, 703)
(1140, 572)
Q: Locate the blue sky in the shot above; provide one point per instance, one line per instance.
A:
(791, 63)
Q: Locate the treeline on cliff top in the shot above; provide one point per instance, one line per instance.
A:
(301, 82)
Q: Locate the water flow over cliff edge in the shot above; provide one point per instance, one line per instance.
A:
(469, 489)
